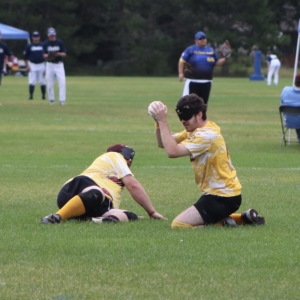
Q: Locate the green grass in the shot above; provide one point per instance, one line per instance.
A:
(42, 146)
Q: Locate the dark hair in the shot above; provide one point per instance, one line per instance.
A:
(194, 102)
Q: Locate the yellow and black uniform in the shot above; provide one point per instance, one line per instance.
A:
(214, 173)
(106, 172)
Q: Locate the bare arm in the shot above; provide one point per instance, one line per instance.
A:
(164, 137)
(221, 61)
(138, 193)
(180, 70)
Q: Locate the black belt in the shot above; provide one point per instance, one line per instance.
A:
(54, 62)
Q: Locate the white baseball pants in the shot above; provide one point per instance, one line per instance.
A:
(56, 70)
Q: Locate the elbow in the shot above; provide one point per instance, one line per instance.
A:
(171, 155)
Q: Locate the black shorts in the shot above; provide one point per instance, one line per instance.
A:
(75, 187)
(214, 208)
(200, 89)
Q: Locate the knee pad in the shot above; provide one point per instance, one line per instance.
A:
(91, 199)
(131, 216)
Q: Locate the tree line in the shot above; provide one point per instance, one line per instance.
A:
(142, 37)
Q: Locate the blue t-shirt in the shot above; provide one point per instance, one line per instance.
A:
(4, 50)
(291, 97)
(34, 53)
(54, 46)
(199, 62)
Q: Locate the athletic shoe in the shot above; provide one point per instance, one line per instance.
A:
(99, 220)
(51, 219)
(43, 98)
(228, 222)
(51, 102)
(62, 103)
(30, 98)
(252, 217)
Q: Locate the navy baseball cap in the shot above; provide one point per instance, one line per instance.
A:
(35, 34)
(200, 35)
(51, 31)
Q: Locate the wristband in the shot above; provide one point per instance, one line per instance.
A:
(152, 213)
(156, 126)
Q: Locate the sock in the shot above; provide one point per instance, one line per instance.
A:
(31, 90)
(177, 224)
(43, 89)
(73, 208)
(237, 218)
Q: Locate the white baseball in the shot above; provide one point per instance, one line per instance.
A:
(150, 109)
(151, 105)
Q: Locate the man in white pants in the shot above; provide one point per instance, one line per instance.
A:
(54, 51)
(273, 67)
(35, 64)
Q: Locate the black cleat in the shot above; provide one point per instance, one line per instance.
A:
(30, 98)
(51, 219)
(43, 98)
(251, 217)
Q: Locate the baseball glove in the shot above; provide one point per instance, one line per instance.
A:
(225, 49)
(51, 56)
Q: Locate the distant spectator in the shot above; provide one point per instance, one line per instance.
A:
(290, 96)
(273, 67)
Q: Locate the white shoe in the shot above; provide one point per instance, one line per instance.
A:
(62, 103)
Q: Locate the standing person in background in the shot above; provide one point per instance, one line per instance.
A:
(4, 50)
(35, 64)
(273, 67)
(54, 52)
(196, 65)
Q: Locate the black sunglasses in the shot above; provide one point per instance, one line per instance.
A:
(185, 113)
(202, 38)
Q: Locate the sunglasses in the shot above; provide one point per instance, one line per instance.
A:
(202, 38)
(128, 153)
(185, 113)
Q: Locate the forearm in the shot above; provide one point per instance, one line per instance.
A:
(221, 61)
(167, 140)
(140, 196)
(158, 137)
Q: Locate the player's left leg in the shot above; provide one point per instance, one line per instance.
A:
(61, 78)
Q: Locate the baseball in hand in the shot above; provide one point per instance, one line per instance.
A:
(151, 110)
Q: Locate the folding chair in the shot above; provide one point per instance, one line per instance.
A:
(290, 110)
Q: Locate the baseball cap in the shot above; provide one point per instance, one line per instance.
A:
(35, 34)
(51, 31)
(297, 80)
(128, 153)
(200, 35)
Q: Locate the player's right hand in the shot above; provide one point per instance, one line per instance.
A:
(157, 215)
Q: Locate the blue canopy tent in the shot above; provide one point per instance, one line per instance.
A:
(12, 33)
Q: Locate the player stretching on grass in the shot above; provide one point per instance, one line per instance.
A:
(96, 193)
(215, 175)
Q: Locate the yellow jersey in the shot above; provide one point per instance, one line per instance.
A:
(107, 171)
(211, 163)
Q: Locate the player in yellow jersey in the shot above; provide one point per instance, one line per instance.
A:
(96, 193)
(215, 175)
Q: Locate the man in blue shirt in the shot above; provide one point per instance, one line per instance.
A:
(54, 52)
(196, 65)
(4, 50)
(35, 64)
(290, 96)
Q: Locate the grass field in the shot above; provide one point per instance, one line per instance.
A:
(42, 146)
